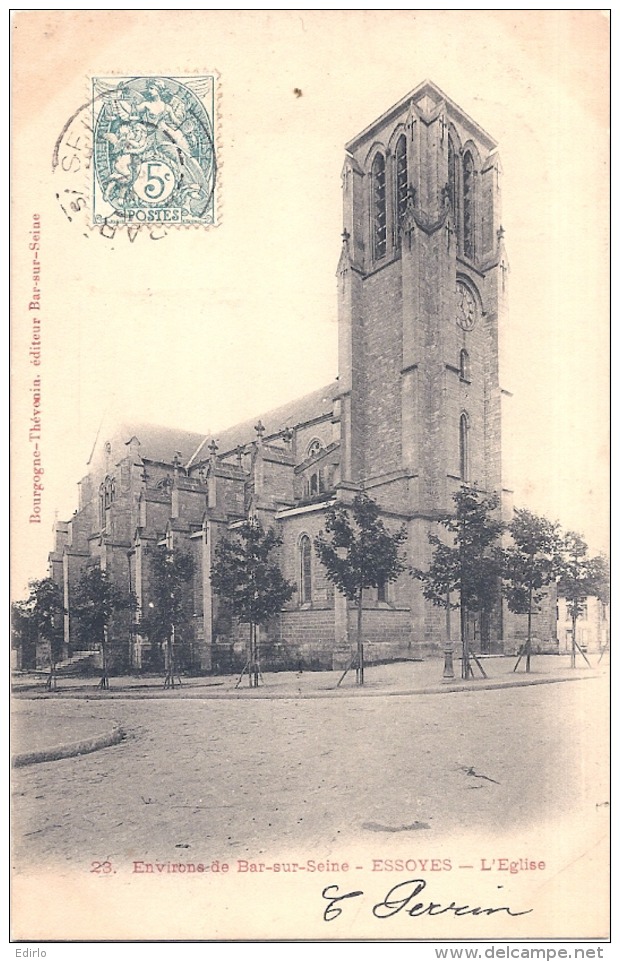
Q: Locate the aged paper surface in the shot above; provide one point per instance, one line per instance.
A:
(204, 325)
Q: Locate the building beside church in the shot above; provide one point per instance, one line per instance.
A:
(414, 414)
(592, 626)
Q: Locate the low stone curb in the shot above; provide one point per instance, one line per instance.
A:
(264, 693)
(83, 747)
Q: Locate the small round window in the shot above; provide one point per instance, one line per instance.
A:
(315, 447)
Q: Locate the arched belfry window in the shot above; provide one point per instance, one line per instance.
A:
(468, 204)
(401, 181)
(453, 183)
(464, 365)
(379, 210)
(305, 580)
(464, 447)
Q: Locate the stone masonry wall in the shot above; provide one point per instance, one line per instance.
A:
(382, 353)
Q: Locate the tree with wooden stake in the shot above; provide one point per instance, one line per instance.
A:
(250, 584)
(166, 617)
(359, 552)
(442, 584)
(530, 565)
(95, 600)
(581, 577)
(41, 614)
(469, 568)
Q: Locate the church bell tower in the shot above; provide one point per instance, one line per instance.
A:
(422, 278)
(422, 292)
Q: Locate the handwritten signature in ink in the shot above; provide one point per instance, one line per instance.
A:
(403, 898)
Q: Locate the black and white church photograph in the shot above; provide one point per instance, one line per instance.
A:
(310, 499)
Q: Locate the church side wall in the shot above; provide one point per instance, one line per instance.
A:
(277, 482)
(308, 637)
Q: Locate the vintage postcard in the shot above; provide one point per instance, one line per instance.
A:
(310, 634)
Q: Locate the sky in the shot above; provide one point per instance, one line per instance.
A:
(204, 328)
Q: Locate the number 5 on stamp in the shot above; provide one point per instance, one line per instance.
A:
(154, 151)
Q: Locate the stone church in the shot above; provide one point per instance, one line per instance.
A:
(414, 414)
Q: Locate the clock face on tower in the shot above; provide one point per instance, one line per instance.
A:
(465, 307)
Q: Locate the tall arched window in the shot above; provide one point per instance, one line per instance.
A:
(305, 581)
(453, 184)
(401, 181)
(468, 205)
(464, 447)
(107, 496)
(102, 504)
(379, 212)
(464, 365)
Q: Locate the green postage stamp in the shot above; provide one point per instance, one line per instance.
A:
(154, 157)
